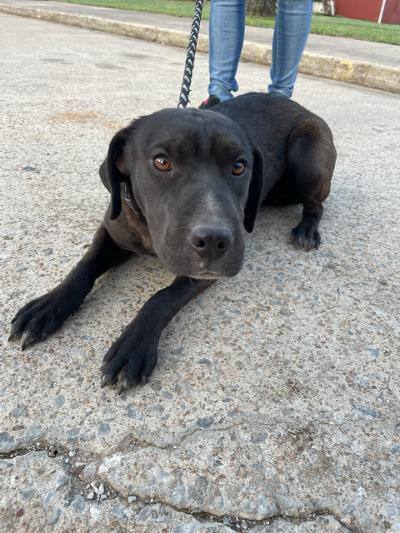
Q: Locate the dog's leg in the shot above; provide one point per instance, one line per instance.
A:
(42, 316)
(306, 234)
(134, 355)
(311, 158)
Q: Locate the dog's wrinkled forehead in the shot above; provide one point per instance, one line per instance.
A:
(191, 133)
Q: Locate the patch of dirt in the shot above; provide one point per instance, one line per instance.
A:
(77, 117)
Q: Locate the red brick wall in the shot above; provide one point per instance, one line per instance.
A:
(369, 10)
(391, 14)
(359, 9)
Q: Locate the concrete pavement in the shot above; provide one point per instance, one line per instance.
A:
(275, 404)
(370, 64)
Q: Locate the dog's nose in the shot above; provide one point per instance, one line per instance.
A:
(210, 242)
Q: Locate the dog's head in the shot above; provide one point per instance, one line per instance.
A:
(198, 183)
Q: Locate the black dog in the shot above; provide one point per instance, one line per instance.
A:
(184, 184)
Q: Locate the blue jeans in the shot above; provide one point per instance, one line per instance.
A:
(227, 20)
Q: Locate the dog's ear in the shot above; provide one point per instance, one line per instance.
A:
(115, 170)
(255, 192)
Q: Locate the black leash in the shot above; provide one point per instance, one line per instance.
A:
(190, 55)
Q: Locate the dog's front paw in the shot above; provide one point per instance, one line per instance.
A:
(131, 358)
(306, 236)
(40, 317)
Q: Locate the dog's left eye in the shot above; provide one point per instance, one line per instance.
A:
(238, 167)
(162, 163)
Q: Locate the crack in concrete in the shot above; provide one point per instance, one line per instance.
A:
(128, 441)
(236, 523)
(124, 446)
(51, 449)
(311, 516)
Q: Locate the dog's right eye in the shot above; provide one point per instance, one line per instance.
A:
(162, 164)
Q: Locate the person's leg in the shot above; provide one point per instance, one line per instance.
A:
(226, 40)
(292, 26)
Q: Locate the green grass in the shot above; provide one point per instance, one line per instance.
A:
(356, 29)
(322, 25)
(177, 8)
